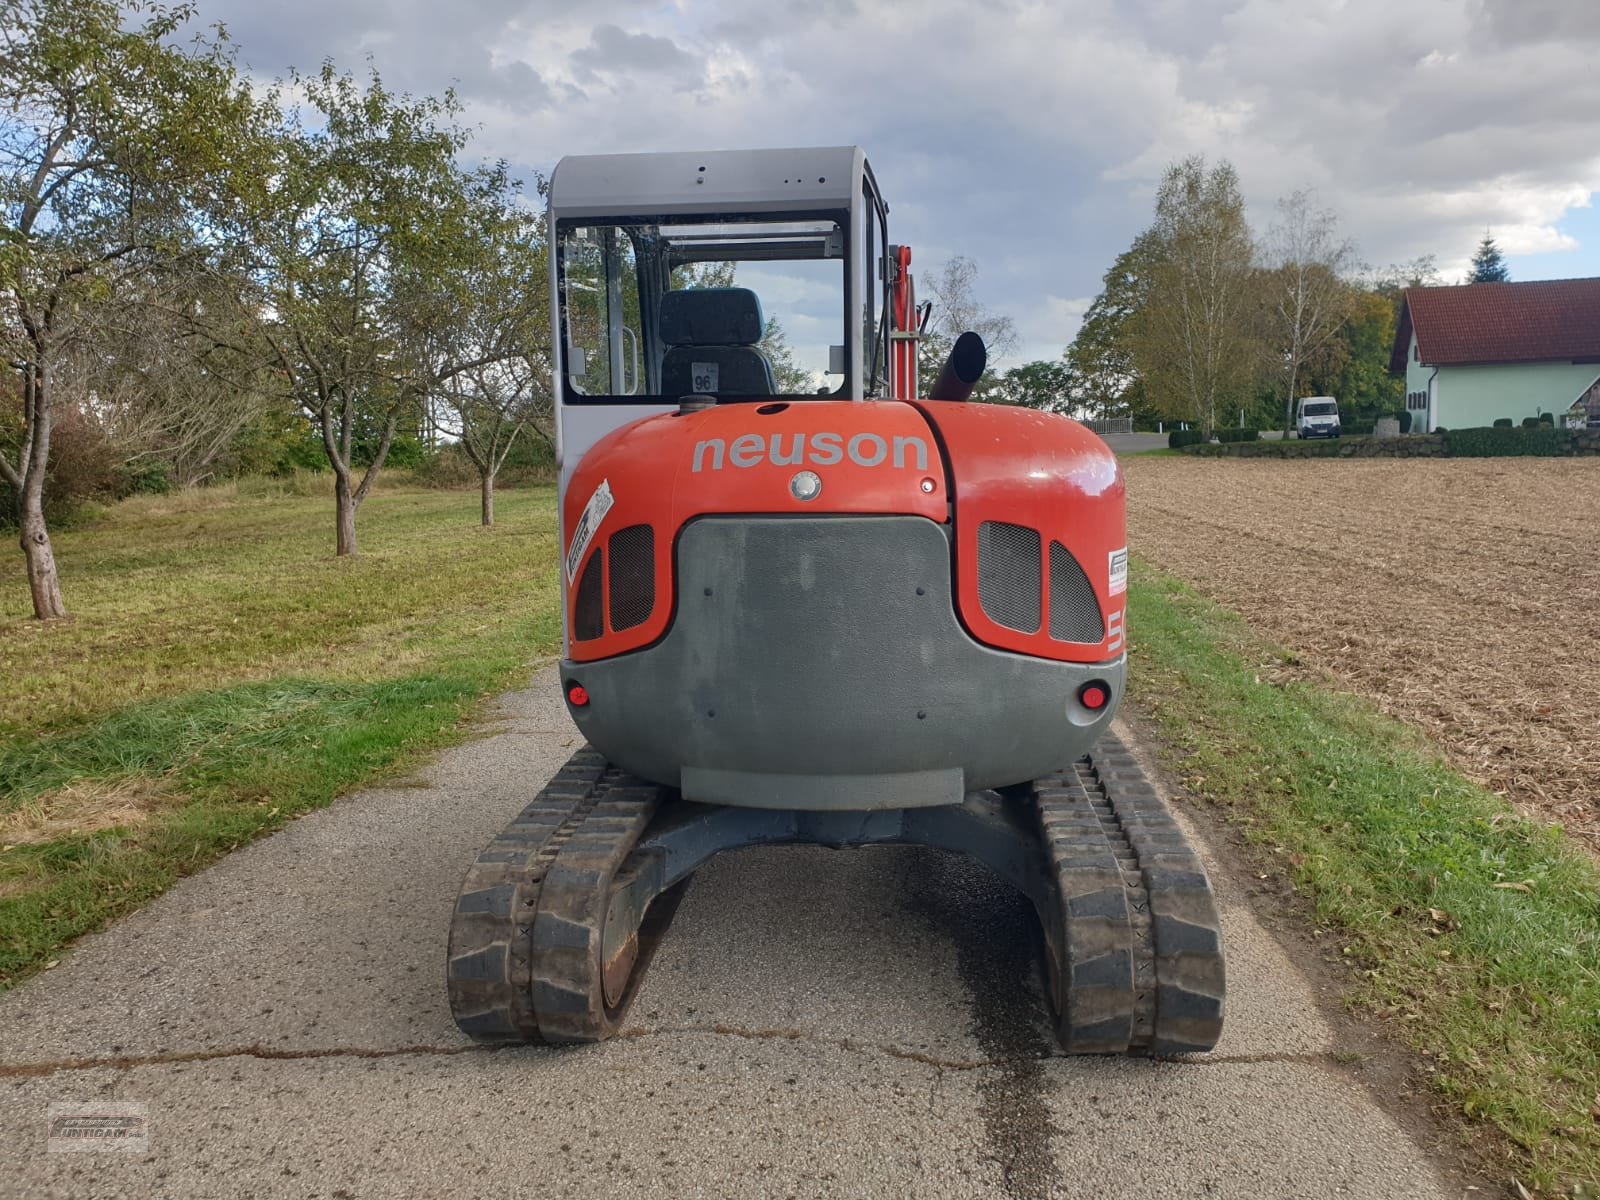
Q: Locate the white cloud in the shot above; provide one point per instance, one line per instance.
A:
(1046, 327)
(1030, 133)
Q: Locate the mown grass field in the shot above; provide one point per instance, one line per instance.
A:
(1473, 933)
(223, 672)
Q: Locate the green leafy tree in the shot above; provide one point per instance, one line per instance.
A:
(352, 230)
(1364, 385)
(1105, 381)
(114, 135)
(1488, 264)
(1045, 385)
(1194, 340)
(791, 379)
(718, 274)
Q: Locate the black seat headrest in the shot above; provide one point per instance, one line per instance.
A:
(711, 317)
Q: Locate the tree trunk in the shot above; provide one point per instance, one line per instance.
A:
(488, 498)
(42, 579)
(1288, 404)
(346, 505)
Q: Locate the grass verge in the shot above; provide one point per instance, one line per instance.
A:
(1476, 932)
(223, 673)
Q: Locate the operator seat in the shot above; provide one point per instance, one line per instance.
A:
(711, 336)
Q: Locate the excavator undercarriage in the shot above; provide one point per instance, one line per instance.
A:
(546, 943)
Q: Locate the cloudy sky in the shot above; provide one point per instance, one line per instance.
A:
(1031, 135)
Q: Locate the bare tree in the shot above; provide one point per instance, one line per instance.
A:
(1192, 340)
(483, 326)
(491, 406)
(953, 292)
(1309, 296)
(166, 398)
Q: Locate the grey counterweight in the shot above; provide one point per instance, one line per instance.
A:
(818, 663)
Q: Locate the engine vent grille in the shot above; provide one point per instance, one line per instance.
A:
(1010, 575)
(633, 576)
(588, 620)
(1074, 608)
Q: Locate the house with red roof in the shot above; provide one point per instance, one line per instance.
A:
(1473, 353)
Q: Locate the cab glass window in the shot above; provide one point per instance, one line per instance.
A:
(766, 316)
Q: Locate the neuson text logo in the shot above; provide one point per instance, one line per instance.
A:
(816, 449)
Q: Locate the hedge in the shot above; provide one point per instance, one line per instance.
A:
(1501, 442)
(1238, 435)
(1543, 441)
(1503, 423)
(1184, 437)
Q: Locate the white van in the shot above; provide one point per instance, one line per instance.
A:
(1318, 416)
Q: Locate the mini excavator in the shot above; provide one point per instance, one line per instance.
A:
(805, 604)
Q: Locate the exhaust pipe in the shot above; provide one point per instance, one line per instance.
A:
(961, 370)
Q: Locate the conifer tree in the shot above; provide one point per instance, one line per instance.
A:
(1488, 264)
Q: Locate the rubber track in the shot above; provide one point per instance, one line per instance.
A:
(567, 932)
(1144, 968)
(489, 971)
(1093, 969)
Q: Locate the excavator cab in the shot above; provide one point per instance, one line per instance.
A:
(724, 277)
(803, 603)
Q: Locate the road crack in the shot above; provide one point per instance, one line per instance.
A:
(129, 1062)
(940, 1064)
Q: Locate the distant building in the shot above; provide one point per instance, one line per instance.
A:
(1480, 351)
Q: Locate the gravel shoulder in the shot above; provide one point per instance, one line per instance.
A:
(815, 1023)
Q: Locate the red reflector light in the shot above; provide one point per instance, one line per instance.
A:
(578, 695)
(1094, 696)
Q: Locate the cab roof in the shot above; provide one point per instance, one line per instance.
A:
(712, 181)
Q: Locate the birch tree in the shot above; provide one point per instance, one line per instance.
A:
(1309, 298)
(1192, 339)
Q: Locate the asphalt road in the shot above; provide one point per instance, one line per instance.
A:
(860, 1023)
(1134, 443)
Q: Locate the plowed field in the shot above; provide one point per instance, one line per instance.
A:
(1462, 596)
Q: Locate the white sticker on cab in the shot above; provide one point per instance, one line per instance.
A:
(1119, 571)
(593, 513)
